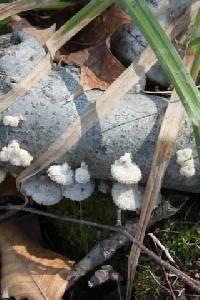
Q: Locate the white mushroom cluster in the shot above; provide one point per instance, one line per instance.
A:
(76, 185)
(125, 193)
(15, 155)
(186, 161)
(12, 121)
(125, 171)
(62, 174)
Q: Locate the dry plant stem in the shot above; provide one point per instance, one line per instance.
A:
(111, 96)
(162, 247)
(173, 119)
(195, 285)
(7, 10)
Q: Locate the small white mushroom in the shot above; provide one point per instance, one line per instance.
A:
(12, 120)
(42, 190)
(82, 174)
(2, 176)
(103, 187)
(125, 171)
(126, 197)
(61, 174)
(15, 155)
(188, 169)
(78, 191)
(183, 155)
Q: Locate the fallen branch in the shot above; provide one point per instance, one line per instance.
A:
(110, 97)
(57, 40)
(195, 285)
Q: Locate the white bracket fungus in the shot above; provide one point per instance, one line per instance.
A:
(125, 171)
(12, 120)
(42, 190)
(126, 197)
(186, 161)
(15, 155)
(183, 155)
(62, 174)
(82, 174)
(78, 191)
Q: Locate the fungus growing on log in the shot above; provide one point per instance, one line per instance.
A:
(82, 174)
(12, 121)
(62, 174)
(125, 194)
(15, 155)
(186, 161)
(78, 191)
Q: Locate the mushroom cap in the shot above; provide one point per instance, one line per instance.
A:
(42, 190)
(15, 155)
(125, 171)
(12, 121)
(82, 174)
(183, 155)
(127, 197)
(62, 174)
(78, 191)
(188, 169)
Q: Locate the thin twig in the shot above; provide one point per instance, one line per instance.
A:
(194, 284)
(162, 247)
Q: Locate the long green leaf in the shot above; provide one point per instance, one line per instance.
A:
(167, 56)
(194, 49)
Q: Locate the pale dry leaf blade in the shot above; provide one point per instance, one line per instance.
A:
(15, 7)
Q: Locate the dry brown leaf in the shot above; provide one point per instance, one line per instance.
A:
(99, 68)
(29, 271)
(42, 35)
(103, 26)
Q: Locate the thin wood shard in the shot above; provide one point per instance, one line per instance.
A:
(15, 7)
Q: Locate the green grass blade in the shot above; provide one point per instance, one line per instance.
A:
(167, 56)
(76, 23)
(194, 49)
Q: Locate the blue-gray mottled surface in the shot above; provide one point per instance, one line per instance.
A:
(131, 126)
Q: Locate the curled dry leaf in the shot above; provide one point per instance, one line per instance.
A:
(29, 271)
(42, 35)
(99, 68)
